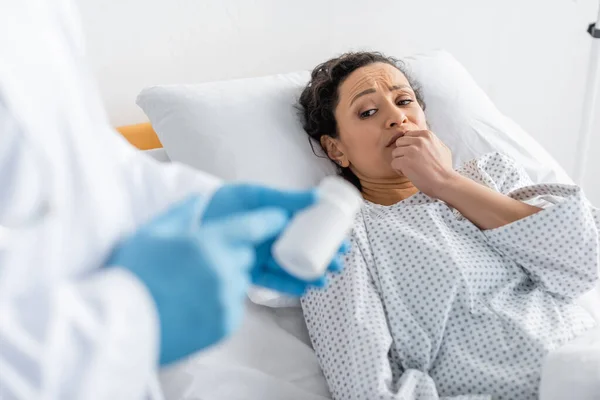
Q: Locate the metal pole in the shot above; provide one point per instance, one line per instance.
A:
(589, 104)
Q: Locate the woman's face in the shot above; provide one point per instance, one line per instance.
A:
(376, 105)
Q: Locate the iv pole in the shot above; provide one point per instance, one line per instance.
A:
(591, 93)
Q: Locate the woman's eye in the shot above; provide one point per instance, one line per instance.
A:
(368, 113)
(404, 102)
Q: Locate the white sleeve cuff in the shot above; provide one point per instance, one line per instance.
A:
(126, 343)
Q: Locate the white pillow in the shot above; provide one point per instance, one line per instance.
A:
(464, 117)
(249, 129)
(243, 129)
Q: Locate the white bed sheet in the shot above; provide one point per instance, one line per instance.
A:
(269, 358)
(573, 371)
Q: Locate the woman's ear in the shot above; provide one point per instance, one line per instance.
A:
(334, 150)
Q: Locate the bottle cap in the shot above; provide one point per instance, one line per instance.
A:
(341, 193)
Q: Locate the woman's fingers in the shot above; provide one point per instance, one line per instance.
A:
(403, 151)
(407, 141)
(423, 134)
(413, 141)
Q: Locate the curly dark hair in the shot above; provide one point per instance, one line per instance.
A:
(320, 97)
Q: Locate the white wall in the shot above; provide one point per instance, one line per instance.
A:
(530, 56)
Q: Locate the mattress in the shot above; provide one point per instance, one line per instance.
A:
(269, 358)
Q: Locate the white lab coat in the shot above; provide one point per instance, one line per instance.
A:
(70, 188)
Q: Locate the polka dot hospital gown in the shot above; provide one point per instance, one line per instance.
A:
(429, 306)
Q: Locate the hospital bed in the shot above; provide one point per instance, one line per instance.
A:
(271, 356)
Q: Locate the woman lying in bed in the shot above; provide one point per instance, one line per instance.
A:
(459, 282)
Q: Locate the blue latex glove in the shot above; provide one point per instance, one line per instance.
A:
(266, 272)
(197, 274)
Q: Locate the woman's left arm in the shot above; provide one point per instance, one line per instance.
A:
(559, 246)
(423, 158)
(483, 206)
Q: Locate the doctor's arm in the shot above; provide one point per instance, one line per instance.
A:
(66, 339)
(62, 336)
(156, 185)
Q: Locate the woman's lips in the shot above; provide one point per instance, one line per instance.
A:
(395, 137)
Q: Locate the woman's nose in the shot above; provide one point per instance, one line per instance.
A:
(396, 118)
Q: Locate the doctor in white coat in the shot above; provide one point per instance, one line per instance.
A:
(110, 263)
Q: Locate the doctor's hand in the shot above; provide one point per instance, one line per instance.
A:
(197, 274)
(266, 272)
(424, 159)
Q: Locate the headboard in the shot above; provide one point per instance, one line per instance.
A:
(141, 136)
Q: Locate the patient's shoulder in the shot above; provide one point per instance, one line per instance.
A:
(497, 171)
(359, 235)
(493, 163)
(359, 232)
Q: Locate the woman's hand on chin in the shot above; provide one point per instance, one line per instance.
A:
(424, 159)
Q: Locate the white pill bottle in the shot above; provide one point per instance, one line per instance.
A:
(313, 237)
